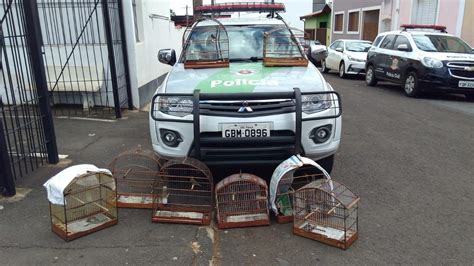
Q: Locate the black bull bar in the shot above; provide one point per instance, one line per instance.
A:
(212, 148)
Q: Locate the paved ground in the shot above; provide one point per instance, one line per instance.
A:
(410, 160)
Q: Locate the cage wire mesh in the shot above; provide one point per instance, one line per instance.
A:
(326, 214)
(241, 201)
(206, 45)
(283, 47)
(89, 206)
(135, 172)
(183, 193)
(295, 180)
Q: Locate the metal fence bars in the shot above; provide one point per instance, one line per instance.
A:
(183, 193)
(299, 178)
(135, 172)
(283, 47)
(28, 131)
(85, 57)
(89, 206)
(241, 201)
(326, 214)
(206, 45)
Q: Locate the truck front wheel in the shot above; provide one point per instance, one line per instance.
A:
(327, 163)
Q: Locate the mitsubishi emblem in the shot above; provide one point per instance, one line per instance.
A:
(245, 108)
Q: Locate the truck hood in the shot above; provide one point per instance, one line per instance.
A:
(244, 78)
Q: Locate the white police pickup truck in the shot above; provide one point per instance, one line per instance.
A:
(227, 105)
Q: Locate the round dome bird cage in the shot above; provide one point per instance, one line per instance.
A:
(289, 176)
(135, 172)
(241, 201)
(326, 211)
(183, 193)
(206, 45)
(283, 47)
(82, 201)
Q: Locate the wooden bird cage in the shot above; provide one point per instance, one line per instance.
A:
(183, 193)
(206, 45)
(241, 201)
(135, 172)
(283, 47)
(89, 205)
(284, 198)
(326, 211)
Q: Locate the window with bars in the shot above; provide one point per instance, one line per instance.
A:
(424, 12)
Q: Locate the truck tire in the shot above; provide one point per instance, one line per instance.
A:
(327, 163)
(411, 85)
(370, 79)
(324, 68)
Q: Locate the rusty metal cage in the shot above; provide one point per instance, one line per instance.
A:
(206, 45)
(183, 193)
(241, 201)
(284, 197)
(135, 172)
(326, 211)
(89, 206)
(282, 47)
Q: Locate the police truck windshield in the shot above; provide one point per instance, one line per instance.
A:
(441, 44)
(245, 42)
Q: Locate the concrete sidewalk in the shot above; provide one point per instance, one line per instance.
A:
(25, 235)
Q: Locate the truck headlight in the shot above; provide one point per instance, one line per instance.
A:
(431, 62)
(176, 105)
(314, 103)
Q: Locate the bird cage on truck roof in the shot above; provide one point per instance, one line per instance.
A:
(135, 172)
(206, 45)
(326, 211)
(183, 193)
(241, 201)
(82, 201)
(284, 47)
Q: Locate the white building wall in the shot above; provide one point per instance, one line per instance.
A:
(156, 32)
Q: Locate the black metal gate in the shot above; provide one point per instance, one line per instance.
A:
(85, 57)
(27, 135)
(62, 56)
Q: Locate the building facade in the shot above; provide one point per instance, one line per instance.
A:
(148, 28)
(364, 19)
(317, 25)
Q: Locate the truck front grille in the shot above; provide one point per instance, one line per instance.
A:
(247, 108)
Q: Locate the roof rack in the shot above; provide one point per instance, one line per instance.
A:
(406, 27)
(241, 7)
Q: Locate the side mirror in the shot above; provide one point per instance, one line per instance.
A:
(403, 47)
(339, 49)
(167, 56)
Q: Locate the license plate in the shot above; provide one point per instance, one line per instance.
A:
(466, 84)
(247, 130)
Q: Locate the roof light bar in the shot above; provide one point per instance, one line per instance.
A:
(241, 7)
(416, 26)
